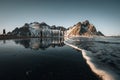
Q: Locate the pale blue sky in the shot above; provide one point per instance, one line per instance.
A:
(104, 14)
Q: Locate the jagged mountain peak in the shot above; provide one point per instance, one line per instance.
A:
(85, 23)
(83, 28)
(43, 24)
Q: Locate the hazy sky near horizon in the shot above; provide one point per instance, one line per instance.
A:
(104, 14)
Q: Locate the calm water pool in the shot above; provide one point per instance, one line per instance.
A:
(42, 59)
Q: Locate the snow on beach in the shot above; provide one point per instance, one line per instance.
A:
(102, 54)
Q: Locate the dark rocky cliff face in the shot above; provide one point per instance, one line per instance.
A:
(22, 31)
(84, 29)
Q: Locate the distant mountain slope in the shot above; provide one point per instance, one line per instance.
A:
(83, 29)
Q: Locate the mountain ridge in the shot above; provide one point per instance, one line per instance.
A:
(80, 29)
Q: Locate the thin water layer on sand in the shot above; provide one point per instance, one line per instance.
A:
(101, 54)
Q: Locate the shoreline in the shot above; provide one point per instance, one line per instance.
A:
(103, 75)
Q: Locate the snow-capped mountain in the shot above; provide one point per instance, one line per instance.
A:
(40, 29)
(37, 29)
(82, 29)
